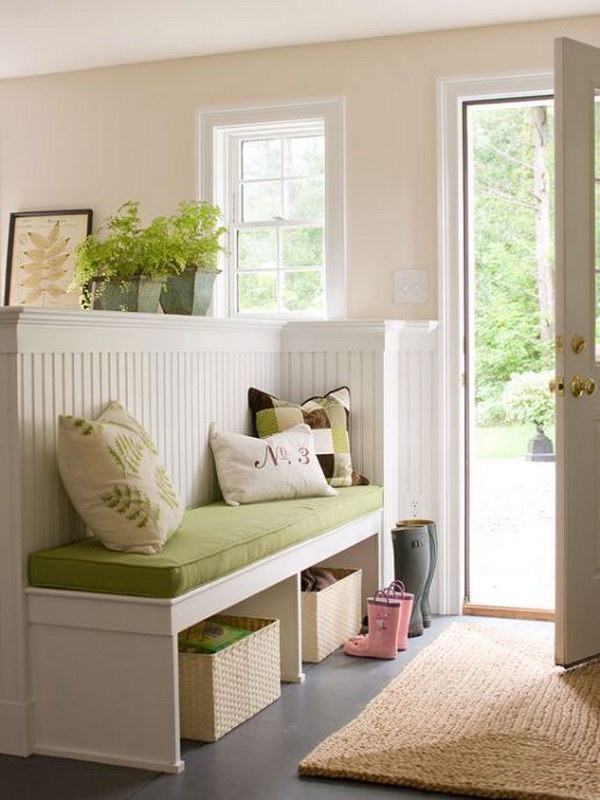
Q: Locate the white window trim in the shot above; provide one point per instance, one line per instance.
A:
(215, 126)
(452, 92)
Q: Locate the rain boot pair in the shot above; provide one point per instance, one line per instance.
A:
(389, 613)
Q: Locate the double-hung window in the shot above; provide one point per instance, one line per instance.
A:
(277, 174)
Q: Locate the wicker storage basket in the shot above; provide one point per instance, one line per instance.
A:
(332, 615)
(218, 692)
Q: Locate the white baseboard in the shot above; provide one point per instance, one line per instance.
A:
(15, 728)
(289, 678)
(109, 758)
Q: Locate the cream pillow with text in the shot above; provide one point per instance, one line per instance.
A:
(278, 467)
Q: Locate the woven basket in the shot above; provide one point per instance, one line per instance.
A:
(218, 692)
(332, 615)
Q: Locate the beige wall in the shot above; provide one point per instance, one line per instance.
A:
(98, 137)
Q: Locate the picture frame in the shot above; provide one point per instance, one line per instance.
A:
(40, 263)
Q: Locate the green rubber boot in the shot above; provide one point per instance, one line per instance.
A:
(433, 551)
(411, 566)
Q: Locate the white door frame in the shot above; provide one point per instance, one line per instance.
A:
(451, 93)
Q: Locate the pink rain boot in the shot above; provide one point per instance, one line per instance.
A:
(384, 619)
(406, 603)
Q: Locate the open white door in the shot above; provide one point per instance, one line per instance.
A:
(577, 92)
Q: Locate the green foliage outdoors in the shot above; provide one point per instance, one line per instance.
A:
(301, 290)
(124, 248)
(503, 441)
(508, 321)
(528, 400)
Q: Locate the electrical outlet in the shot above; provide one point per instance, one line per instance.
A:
(410, 286)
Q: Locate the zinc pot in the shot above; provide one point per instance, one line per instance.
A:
(189, 293)
(140, 293)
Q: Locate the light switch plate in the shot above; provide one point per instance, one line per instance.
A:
(410, 286)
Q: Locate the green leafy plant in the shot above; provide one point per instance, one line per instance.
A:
(527, 399)
(123, 249)
(194, 234)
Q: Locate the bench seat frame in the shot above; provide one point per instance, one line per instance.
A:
(104, 667)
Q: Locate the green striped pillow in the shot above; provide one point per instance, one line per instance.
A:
(328, 417)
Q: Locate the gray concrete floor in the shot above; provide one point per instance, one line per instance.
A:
(256, 761)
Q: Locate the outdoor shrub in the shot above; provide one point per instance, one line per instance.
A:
(490, 412)
(527, 399)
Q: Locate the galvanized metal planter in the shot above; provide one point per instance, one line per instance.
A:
(140, 293)
(189, 293)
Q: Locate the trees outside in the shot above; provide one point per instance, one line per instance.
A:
(513, 256)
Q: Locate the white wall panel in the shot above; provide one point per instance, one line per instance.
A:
(176, 375)
(390, 369)
(174, 395)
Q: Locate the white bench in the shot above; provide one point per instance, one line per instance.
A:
(104, 667)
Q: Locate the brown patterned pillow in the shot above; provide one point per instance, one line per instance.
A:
(328, 416)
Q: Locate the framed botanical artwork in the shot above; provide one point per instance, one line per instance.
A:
(40, 261)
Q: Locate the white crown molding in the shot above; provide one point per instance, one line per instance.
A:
(41, 330)
(353, 335)
(25, 330)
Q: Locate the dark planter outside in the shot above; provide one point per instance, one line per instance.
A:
(138, 294)
(539, 448)
(189, 293)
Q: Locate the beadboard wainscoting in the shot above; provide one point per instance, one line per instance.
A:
(390, 368)
(176, 374)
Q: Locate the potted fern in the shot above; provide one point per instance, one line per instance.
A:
(193, 233)
(124, 266)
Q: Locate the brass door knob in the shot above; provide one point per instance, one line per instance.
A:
(581, 386)
(577, 386)
(578, 343)
(557, 385)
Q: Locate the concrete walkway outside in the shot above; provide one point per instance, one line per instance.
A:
(512, 533)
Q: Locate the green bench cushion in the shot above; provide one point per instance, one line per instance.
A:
(212, 541)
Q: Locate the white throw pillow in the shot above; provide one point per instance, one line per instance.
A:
(278, 467)
(111, 471)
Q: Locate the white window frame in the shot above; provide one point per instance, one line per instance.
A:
(217, 130)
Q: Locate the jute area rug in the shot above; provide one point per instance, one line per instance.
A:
(479, 712)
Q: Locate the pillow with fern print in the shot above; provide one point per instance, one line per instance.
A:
(111, 471)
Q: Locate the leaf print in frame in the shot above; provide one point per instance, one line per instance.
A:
(40, 257)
